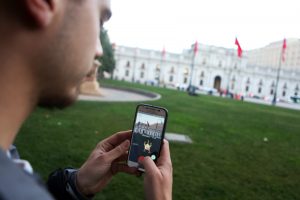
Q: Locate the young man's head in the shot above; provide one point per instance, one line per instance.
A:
(55, 41)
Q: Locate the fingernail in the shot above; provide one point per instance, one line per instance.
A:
(141, 158)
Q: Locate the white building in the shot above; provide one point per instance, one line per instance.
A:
(269, 56)
(214, 67)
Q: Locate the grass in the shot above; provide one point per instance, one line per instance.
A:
(228, 159)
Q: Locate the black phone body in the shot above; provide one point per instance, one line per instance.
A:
(147, 134)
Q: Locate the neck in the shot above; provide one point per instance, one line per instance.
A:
(17, 98)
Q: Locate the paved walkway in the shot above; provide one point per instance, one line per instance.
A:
(114, 95)
(176, 137)
(121, 95)
(293, 106)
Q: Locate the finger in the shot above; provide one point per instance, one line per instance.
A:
(139, 174)
(117, 167)
(149, 165)
(122, 158)
(118, 151)
(164, 157)
(114, 140)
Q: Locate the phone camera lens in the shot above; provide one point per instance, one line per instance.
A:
(153, 157)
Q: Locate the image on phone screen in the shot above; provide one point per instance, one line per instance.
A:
(146, 137)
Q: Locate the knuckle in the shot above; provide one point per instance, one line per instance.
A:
(119, 149)
(169, 166)
(154, 174)
(103, 158)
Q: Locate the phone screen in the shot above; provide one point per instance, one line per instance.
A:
(146, 136)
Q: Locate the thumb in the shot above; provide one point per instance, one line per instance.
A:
(118, 150)
(149, 165)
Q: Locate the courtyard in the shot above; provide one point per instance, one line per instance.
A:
(240, 150)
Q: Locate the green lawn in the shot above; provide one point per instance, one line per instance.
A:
(228, 159)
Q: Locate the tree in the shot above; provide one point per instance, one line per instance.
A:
(107, 60)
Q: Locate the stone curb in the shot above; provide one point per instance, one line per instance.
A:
(152, 95)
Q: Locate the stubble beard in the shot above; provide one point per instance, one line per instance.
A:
(59, 100)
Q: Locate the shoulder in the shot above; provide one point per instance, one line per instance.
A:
(16, 184)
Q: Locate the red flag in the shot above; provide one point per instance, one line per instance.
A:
(283, 50)
(163, 53)
(196, 47)
(239, 50)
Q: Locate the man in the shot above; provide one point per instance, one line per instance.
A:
(47, 47)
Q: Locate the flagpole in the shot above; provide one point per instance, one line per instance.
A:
(277, 77)
(159, 75)
(190, 89)
(161, 63)
(192, 71)
(277, 81)
(134, 65)
(239, 61)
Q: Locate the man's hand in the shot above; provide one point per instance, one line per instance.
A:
(108, 158)
(158, 178)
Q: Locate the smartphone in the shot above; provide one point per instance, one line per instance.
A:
(147, 134)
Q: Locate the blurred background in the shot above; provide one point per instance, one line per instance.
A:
(229, 74)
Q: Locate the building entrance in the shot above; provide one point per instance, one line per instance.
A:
(217, 83)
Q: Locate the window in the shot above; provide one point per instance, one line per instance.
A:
(128, 64)
(283, 93)
(247, 88)
(233, 82)
(157, 69)
(201, 82)
(127, 73)
(273, 84)
(186, 71)
(285, 86)
(172, 70)
(259, 90)
(220, 63)
(202, 74)
(185, 80)
(142, 75)
(233, 79)
(248, 81)
(171, 79)
(271, 92)
(296, 89)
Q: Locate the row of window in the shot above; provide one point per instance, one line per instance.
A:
(201, 82)
(128, 65)
(272, 90)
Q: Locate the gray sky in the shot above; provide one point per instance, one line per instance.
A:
(175, 24)
(151, 119)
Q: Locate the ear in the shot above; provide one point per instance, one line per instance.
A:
(41, 11)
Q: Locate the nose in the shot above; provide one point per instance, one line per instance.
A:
(99, 50)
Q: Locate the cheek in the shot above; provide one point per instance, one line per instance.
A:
(82, 42)
(92, 35)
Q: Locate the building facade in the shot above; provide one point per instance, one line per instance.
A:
(213, 67)
(269, 56)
